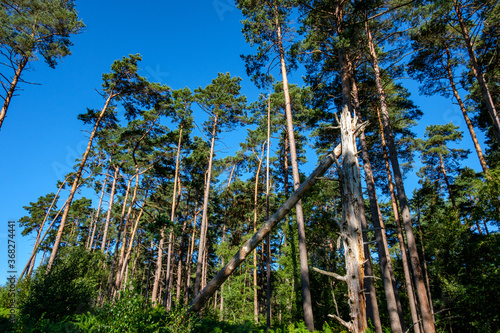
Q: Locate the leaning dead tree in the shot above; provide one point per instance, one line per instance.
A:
(266, 228)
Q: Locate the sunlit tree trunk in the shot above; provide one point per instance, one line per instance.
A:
(404, 258)
(382, 247)
(304, 267)
(483, 86)
(425, 310)
(204, 220)
(477, 147)
(76, 180)
(12, 88)
(110, 208)
(96, 218)
(263, 231)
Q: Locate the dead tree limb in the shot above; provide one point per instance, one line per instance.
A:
(334, 275)
(252, 243)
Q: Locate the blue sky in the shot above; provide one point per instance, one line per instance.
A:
(183, 43)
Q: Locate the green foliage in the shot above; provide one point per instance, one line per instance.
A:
(29, 27)
(132, 313)
(68, 289)
(212, 326)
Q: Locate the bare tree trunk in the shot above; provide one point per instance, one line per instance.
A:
(121, 228)
(427, 281)
(266, 228)
(12, 88)
(403, 201)
(488, 100)
(304, 267)
(402, 245)
(204, 222)
(130, 245)
(190, 256)
(91, 240)
(268, 238)
(31, 261)
(76, 180)
(382, 246)
(121, 260)
(110, 208)
(255, 206)
(447, 182)
(479, 152)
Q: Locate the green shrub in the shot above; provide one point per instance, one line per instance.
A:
(67, 290)
(131, 313)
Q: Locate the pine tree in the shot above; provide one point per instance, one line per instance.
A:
(28, 28)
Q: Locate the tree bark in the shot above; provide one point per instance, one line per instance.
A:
(255, 216)
(382, 247)
(75, 184)
(204, 222)
(428, 322)
(304, 267)
(110, 208)
(130, 245)
(479, 152)
(268, 240)
(483, 86)
(12, 88)
(96, 219)
(402, 245)
(350, 226)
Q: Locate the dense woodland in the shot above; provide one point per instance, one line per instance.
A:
(185, 238)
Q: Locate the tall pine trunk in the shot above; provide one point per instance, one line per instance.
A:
(90, 242)
(12, 88)
(204, 220)
(483, 86)
(479, 152)
(427, 318)
(263, 231)
(76, 180)
(304, 267)
(110, 208)
(404, 258)
(395, 319)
